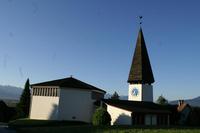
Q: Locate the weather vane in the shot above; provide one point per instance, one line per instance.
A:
(140, 19)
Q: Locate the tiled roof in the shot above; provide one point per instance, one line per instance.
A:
(139, 106)
(69, 83)
(182, 107)
(140, 71)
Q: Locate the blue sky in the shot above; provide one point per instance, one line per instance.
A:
(94, 41)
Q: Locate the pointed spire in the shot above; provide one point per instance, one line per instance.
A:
(140, 71)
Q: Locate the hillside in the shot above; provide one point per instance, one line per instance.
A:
(192, 102)
(10, 92)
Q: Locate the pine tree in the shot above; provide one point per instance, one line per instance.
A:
(24, 103)
(162, 100)
(115, 96)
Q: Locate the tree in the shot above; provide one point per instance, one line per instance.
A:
(162, 100)
(101, 117)
(115, 96)
(24, 103)
(3, 112)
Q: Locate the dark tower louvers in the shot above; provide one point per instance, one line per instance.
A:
(140, 71)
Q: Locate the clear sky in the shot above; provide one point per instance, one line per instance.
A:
(94, 41)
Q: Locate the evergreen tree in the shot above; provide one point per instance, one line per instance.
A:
(24, 103)
(115, 96)
(162, 100)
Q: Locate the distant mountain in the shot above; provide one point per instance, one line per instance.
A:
(191, 102)
(107, 96)
(123, 97)
(10, 92)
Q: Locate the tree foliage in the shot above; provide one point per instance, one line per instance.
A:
(115, 96)
(24, 103)
(101, 117)
(194, 117)
(162, 100)
(6, 113)
(3, 112)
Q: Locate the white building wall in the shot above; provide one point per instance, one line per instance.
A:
(119, 116)
(44, 107)
(130, 94)
(75, 104)
(145, 92)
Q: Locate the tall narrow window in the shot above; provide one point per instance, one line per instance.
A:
(32, 91)
(50, 91)
(35, 91)
(43, 94)
(56, 89)
(47, 91)
(40, 91)
(53, 89)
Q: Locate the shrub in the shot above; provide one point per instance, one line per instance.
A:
(101, 117)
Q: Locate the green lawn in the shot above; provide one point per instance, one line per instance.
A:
(24, 123)
(91, 129)
(43, 126)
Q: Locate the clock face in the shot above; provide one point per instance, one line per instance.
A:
(135, 92)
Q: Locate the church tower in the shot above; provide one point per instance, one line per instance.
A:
(140, 75)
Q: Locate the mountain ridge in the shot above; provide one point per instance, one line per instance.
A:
(10, 92)
(192, 102)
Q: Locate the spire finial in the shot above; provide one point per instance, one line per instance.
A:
(140, 19)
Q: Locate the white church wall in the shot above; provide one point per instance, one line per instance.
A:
(147, 94)
(137, 97)
(119, 116)
(44, 107)
(75, 104)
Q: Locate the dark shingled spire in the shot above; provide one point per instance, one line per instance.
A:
(140, 71)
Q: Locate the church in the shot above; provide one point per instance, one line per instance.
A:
(64, 99)
(72, 99)
(139, 109)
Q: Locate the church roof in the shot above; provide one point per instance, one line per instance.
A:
(139, 106)
(69, 82)
(140, 71)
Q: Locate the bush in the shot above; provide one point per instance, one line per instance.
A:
(6, 113)
(101, 117)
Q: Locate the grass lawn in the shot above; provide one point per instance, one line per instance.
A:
(22, 123)
(43, 126)
(92, 129)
